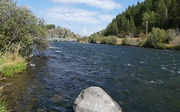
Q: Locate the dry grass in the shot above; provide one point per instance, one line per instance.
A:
(176, 41)
(132, 41)
(119, 41)
(11, 63)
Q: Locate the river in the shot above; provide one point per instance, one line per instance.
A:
(139, 79)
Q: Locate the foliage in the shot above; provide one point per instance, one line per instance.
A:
(11, 63)
(112, 40)
(141, 35)
(130, 41)
(84, 39)
(96, 38)
(124, 41)
(51, 26)
(122, 34)
(2, 106)
(19, 25)
(156, 37)
(58, 26)
(132, 27)
(176, 41)
(171, 34)
(105, 40)
(52, 35)
(141, 42)
(109, 40)
(162, 14)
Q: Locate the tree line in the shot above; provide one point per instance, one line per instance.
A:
(141, 18)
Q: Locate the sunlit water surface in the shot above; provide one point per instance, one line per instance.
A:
(139, 79)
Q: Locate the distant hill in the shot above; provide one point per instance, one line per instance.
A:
(62, 33)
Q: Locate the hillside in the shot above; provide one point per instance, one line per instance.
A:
(62, 33)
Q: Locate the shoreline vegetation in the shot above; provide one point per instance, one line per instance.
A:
(21, 33)
(135, 42)
(158, 39)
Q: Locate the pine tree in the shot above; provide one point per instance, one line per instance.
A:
(161, 13)
(167, 3)
(128, 27)
(123, 23)
(133, 11)
(174, 14)
(154, 5)
(153, 18)
(132, 25)
(113, 28)
(147, 5)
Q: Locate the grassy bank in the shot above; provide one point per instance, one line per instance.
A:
(11, 63)
(141, 42)
(111, 40)
(158, 38)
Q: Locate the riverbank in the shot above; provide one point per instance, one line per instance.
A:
(141, 42)
(10, 63)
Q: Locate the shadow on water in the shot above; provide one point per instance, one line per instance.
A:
(139, 79)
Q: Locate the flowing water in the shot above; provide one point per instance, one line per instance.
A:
(139, 79)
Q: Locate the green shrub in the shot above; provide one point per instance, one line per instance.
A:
(141, 42)
(95, 39)
(171, 34)
(109, 40)
(19, 24)
(105, 40)
(125, 41)
(113, 40)
(177, 47)
(122, 34)
(162, 45)
(2, 106)
(156, 37)
(141, 35)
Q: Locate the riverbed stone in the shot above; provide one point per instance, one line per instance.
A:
(95, 99)
(32, 65)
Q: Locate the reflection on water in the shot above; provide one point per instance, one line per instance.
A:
(139, 79)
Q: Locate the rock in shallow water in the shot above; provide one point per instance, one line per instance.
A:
(95, 99)
(32, 65)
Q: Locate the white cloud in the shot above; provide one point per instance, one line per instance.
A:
(66, 13)
(104, 4)
(85, 32)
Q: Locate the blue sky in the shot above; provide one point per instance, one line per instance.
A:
(80, 16)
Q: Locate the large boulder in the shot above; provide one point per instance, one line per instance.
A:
(95, 99)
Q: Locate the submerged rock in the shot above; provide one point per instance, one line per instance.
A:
(95, 99)
(32, 65)
(31, 55)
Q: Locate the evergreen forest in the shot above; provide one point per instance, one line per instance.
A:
(163, 14)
